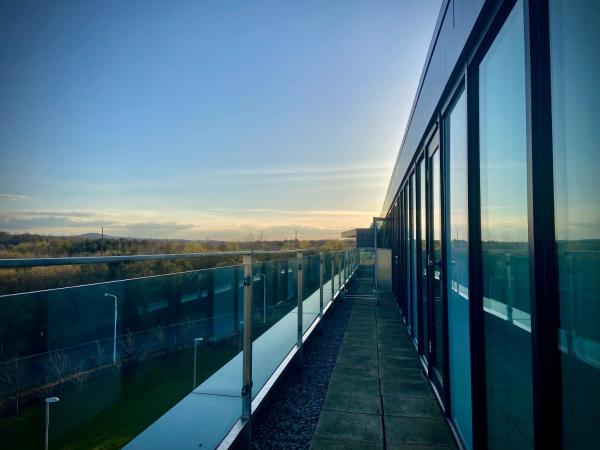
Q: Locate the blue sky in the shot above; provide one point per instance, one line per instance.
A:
(204, 119)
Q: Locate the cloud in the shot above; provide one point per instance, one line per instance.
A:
(13, 197)
(298, 212)
(40, 220)
(221, 223)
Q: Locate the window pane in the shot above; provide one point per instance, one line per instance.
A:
(575, 73)
(413, 252)
(506, 302)
(423, 250)
(436, 234)
(407, 257)
(458, 272)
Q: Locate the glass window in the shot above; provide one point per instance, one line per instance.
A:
(413, 255)
(457, 287)
(575, 71)
(437, 321)
(423, 255)
(506, 302)
(407, 289)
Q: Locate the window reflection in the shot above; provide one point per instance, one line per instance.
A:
(413, 253)
(457, 286)
(423, 256)
(436, 256)
(575, 72)
(503, 159)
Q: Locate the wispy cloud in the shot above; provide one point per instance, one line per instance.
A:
(13, 197)
(264, 223)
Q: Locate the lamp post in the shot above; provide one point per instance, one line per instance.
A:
(263, 276)
(196, 342)
(48, 401)
(106, 294)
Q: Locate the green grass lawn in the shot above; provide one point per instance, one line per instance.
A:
(115, 406)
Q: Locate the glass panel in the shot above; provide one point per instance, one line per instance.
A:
(575, 99)
(273, 339)
(310, 290)
(458, 272)
(326, 279)
(413, 256)
(407, 269)
(423, 250)
(503, 159)
(336, 271)
(436, 255)
(114, 384)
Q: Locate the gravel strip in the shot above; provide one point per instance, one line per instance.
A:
(290, 419)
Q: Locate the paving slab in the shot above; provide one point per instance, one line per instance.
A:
(394, 373)
(358, 346)
(353, 398)
(322, 443)
(345, 425)
(355, 372)
(405, 388)
(404, 430)
(419, 407)
(418, 447)
(398, 362)
(368, 359)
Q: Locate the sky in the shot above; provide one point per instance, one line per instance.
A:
(204, 119)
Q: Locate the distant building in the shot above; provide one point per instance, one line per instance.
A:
(363, 237)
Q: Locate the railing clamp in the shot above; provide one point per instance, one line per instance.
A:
(246, 389)
(247, 281)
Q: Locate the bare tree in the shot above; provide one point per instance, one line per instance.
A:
(81, 376)
(59, 362)
(99, 352)
(128, 342)
(11, 374)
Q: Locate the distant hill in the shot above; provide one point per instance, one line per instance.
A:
(91, 244)
(94, 236)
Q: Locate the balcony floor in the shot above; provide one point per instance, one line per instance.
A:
(378, 396)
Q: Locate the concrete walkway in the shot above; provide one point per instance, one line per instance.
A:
(378, 397)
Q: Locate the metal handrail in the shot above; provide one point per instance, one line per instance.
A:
(7, 263)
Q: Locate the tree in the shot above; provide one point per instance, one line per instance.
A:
(59, 362)
(11, 373)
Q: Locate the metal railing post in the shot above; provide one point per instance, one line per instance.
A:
(321, 266)
(299, 260)
(332, 276)
(247, 344)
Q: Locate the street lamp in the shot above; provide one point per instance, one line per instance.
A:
(196, 342)
(264, 280)
(48, 401)
(106, 294)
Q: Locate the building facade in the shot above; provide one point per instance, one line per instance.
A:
(494, 222)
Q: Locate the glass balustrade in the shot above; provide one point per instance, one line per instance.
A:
(123, 356)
